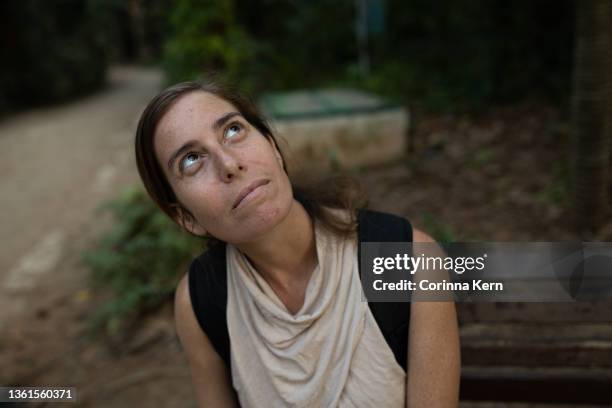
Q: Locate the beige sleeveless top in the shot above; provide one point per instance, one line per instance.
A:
(329, 354)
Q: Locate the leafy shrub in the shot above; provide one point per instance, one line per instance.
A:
(205, 38)
(444, 55)
(439, 232)
(51, 50)
(140, 260)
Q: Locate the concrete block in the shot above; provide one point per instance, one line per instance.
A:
(334, 129)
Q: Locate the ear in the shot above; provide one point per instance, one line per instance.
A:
(189, 223)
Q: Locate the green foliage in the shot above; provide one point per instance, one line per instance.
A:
(260, 45)
(51, 50)
(557, 192)
(140, 260)
(309, 42)
(204, 39)
(443, 55)
(469, 54)
(480, 158)
(439, 232)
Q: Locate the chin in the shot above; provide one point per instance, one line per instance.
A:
(262, 220)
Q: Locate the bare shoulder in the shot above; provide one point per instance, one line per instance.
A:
(184, 317)
(194, 340)
(182, 299)
(181, 294)
(209, 374)
(425, 244)
(421, 236)
(187, 327)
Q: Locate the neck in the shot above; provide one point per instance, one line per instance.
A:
(286, 254)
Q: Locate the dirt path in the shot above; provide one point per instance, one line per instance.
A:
(57, 165)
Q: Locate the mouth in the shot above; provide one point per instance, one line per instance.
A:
(247, 190)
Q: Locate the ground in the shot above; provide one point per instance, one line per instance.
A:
(490, 177)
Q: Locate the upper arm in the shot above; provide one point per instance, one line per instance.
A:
(209, 374)
(433, 347)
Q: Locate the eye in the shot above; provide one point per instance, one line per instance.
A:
(188, 161)
(233, 130)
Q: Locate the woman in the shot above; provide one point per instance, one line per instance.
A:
(291, 309)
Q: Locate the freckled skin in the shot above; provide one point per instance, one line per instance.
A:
(220, 166)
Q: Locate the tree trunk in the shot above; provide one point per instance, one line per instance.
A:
(591, 121)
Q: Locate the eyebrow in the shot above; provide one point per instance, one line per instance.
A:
(217, 124)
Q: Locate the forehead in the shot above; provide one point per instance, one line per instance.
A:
(188, 117)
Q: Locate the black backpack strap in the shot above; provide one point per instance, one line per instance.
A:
(393, 318)
(208, 291)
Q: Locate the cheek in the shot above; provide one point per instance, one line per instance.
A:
(200, 199)
(285, 188)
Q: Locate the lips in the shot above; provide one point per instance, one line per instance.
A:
(245, 191)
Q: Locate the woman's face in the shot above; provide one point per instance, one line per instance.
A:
(211, 155)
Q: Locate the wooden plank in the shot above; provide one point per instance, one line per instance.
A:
(536, 345)
(544, 313)
(537, 385)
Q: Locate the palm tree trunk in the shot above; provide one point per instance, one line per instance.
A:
(591, 114)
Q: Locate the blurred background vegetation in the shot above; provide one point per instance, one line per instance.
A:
(122, 261)
(51, 51)
(447, 55)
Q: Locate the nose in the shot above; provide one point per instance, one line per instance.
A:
(228, 166)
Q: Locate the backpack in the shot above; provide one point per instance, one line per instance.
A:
(208, 288)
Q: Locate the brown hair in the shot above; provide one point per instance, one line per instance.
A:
(314, 194)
